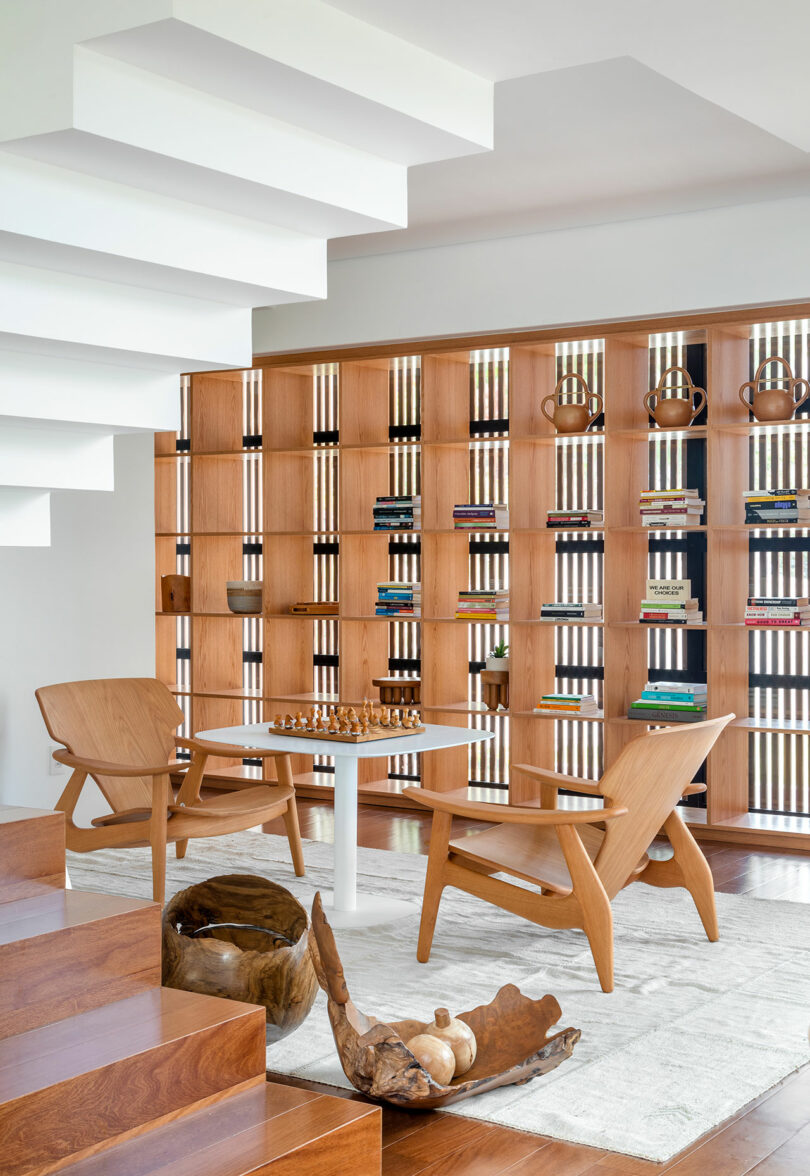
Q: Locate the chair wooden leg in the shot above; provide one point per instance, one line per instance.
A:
(597, 917)
(157, 837)
(697, 876)
(180, 848)
(437, 856)
(284, 776)
(294, 837)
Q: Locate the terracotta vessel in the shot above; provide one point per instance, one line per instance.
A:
(245, 938)
(569, 417)
(244, 596)
(774, 403)
(175, 594)
(675, 411)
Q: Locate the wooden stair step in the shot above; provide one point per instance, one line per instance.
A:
(67, 951)
(85, 1081)
(32, 852)
(272, 1129)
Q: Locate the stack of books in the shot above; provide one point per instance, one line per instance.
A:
(481, 516)
(669, 602)
(670, 508)
(777, 612)
(570, 520)
(776, 507)
(483, 604)
(398, 512)
(570, 611)
(670, 702)
(395, 599)
(567, 704)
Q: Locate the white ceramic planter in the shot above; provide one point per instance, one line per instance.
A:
(497, 663)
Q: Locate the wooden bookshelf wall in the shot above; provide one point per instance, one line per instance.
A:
(215, 693)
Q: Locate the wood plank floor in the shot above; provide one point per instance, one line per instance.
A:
(770, 1137)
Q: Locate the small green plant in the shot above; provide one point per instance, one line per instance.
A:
(499, 650)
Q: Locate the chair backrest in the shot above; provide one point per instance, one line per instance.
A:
(648, 779)
(120, 720)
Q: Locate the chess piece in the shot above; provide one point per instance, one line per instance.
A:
(385, 717)
(345, 726)
(300, 725)
(407, 722)
(396, 722)
(341, 713)
(278, 721)
(319, 723)
(334, 725)
(355, 726)
(374, 718)
(289, 722)
(351, 714)
(364, 714)
(364, 725)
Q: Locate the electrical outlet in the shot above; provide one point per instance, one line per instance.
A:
(54, 767)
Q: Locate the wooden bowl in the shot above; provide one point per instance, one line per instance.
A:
(245, 938)
(511, 1033)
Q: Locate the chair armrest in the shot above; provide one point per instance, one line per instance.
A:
(106, 769)
(508, 814)
(558, 780)
(227, 750)
(575, 784)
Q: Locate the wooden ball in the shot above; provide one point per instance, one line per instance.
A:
(458, 1035)
(434, 1055)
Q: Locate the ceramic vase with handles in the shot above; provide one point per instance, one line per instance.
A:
(568, 416)
(774, 403)
(675, 411)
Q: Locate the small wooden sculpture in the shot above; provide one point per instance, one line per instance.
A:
(433, 1055)
(458, 1035)
(495, 689)
(511, 1032)
(398, 691)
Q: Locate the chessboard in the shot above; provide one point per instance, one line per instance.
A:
(346, 725)
(344, 737)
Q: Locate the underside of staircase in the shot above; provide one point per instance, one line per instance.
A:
(105, 1073)
(166, 166)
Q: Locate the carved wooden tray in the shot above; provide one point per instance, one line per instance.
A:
(337, 737)
(511, 1032)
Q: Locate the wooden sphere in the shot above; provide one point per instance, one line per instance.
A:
(242, 962)
(458, 1035)
(434, 1055)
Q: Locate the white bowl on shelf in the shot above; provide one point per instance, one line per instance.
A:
(244, 596)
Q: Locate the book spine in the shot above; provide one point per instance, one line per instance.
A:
(666, 716)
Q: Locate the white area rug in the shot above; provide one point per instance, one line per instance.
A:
(692, 1033)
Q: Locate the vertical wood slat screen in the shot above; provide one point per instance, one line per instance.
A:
(325, 524)
(252, 554)
(779, 683)
(488, 763)
(183, 556)
(405, 551)
(579, 561)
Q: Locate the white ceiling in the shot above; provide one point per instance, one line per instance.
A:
(607, 111)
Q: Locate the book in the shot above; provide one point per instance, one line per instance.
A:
(648, 704)
(690, 687)
(779, 601)
(675, 696)
(665, 715)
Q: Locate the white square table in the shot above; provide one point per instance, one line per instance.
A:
(347, 908)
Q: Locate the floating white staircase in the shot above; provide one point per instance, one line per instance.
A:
(167, 165)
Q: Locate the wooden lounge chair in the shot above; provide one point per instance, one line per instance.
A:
(121, 733)
(579, 858)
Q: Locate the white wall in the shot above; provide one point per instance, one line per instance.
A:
(82, 608)
(746, 255)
